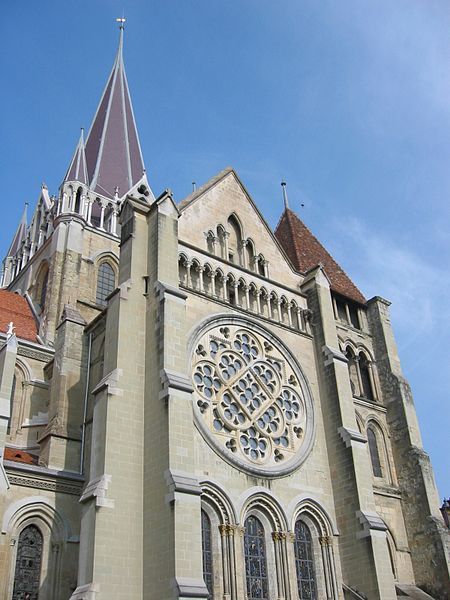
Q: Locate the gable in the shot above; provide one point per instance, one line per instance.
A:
(224, 203)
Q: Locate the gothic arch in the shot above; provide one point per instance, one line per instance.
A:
(53, 526)
(382, 436)
(265, 502)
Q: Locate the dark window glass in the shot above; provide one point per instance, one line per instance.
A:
(43, 290)
(304, 562)
(106, 282)
(341, 312)
(28, 564)
(374, 454)
(207, 553)
(365, 377)
(255, 560)
(354, 317)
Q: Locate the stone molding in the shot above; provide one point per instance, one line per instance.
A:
(162, 289)
(176, 381)
(332, 354)
(86, 592)
(371, 521)
(32, 476)
(97, 489)
(351, 437)
(186, 587)
(109, 382)
(179, 482)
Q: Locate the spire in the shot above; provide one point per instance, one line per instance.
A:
(113, 153)
(77, 170)
(285, 197)
(20, 234)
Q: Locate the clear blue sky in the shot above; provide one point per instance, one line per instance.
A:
(349, 101)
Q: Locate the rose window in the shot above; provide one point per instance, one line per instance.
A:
(251, 399)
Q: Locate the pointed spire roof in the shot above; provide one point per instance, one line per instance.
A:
(20, 234)
(305, 252)
(77, 170)
(113, 153)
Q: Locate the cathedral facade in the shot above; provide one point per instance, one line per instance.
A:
(195, 406)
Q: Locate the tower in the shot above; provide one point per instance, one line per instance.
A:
(195, 406)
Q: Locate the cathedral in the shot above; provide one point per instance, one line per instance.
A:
(194, 406)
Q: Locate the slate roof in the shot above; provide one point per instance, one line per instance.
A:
(20, 234)
(77, 170)
(113, 152)
(15, 308)
(305, 252)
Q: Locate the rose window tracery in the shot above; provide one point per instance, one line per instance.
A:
(251, 400)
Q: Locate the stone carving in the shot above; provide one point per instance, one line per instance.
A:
(245, 400)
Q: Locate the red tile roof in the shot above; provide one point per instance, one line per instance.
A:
(20, 456)
(15, 308)
(305, 252)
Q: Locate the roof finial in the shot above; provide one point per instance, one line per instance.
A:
(285, 197)
(194, 186)
(121, 20)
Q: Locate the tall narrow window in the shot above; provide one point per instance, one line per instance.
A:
(365, 377)
(28, 564)
(255, 560)
(374, 454)
(207, 554)
(304, 562)
(106, 282)
(43, 294)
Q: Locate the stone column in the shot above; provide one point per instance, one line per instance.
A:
(201, 270)
(244, 254)
(258, 302)
(277, 539)
(8, 354)
(102, 216)
(89, 212)
(246, 290)
(213, 283)
(61, 441)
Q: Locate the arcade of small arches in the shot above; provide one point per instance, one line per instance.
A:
(99, 213)
(229, 244)
(249, 296)
(362, 372)
(261, 554)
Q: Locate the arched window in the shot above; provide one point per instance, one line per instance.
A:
(106, 282)
(207, 554)
(78, 201)
(235, 240)
(255, 560)
(250, 253)
(304, 562)
(365, 377)
(28, 564)
(374, 453)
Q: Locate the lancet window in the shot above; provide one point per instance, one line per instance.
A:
(28, 564)
(374, 452)
(207, 554)
(304, 562)
(255, 560)
(106, 281)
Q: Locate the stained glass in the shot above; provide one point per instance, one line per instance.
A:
(304, 562)
(207, 554)
(255, 560)
(28, 564)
